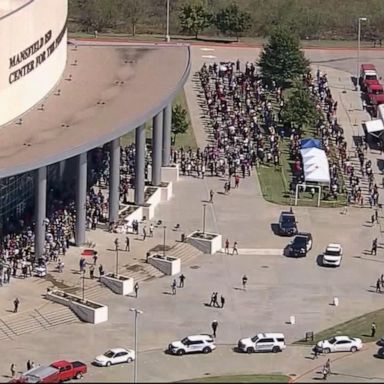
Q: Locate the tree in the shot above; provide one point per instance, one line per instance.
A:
(232, 20)
(180, 122)
(194, 18)
(133, 11)
(98, 14)
(300, 108)
(281, 59)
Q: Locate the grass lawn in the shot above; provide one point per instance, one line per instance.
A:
(187, 139)
(240, 379)
(358, 327)
(275, 181)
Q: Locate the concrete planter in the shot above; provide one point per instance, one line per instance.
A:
(168, 265)
(121, 285)
(207, 242)
(87, 310)
(166, 191)
(170, 174)
(151, 203)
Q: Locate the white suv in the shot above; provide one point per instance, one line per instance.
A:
(190, 344)
(333, 255)
(263, 342)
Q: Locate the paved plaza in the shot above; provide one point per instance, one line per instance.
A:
(278, 287)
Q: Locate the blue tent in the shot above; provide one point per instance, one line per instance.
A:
(310, 143)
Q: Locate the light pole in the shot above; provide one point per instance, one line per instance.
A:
(164, 228)
(137, 312)
(82, 285)
(358, 50)
(117, 256)
(204, 206)
(167, 37)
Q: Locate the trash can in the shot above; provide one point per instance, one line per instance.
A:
(183, 237)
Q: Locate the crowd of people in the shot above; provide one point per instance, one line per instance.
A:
(246, 118)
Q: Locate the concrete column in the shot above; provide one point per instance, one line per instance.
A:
(167, 130)
(40, 209)
(61, 169)
(139, 165)
(81, 196)
(114, 180)
(157, 144)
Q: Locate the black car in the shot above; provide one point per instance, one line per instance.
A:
(301, 244)
(287, 224)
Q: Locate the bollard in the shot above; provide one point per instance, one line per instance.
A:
(292, 320)
(335, 301)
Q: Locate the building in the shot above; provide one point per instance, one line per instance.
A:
(59, 99)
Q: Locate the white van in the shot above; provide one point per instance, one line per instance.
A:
(263, 342)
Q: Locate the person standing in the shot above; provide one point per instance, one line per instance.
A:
(29, 365)
(92, 272)
(214, 325)
(378, 286)
(16, 303)
(182, 279)
(237, 181)
(374, 247)
(101, 270)
(244, 281)
(235, 248)
(328, 365)
(127, 244)
(212, 299)
(94, 258)
(144, 233)
(325, 373)
(13, 370)
(151, 228)
(222, 301)
(173, 286)
(373, 329)
(136, 288)
(211, 193)
(226, 246)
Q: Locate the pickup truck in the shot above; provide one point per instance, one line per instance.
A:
(70, 370)
(57, 372)
(368, 76)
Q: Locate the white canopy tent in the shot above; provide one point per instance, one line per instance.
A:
(316, 167)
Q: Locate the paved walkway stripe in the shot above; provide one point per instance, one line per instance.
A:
(257, 251)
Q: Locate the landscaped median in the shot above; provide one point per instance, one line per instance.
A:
(357, 327)
(240, 379)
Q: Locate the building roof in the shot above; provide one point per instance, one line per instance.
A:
(105, 92)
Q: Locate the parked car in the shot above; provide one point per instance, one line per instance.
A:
(381, 341)
(333, 255)
(191, 344)
(287, 224)
(340, 344)
(380, 353)
(300, 245)
(57, 372)
(115, 356)
(262, 342)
